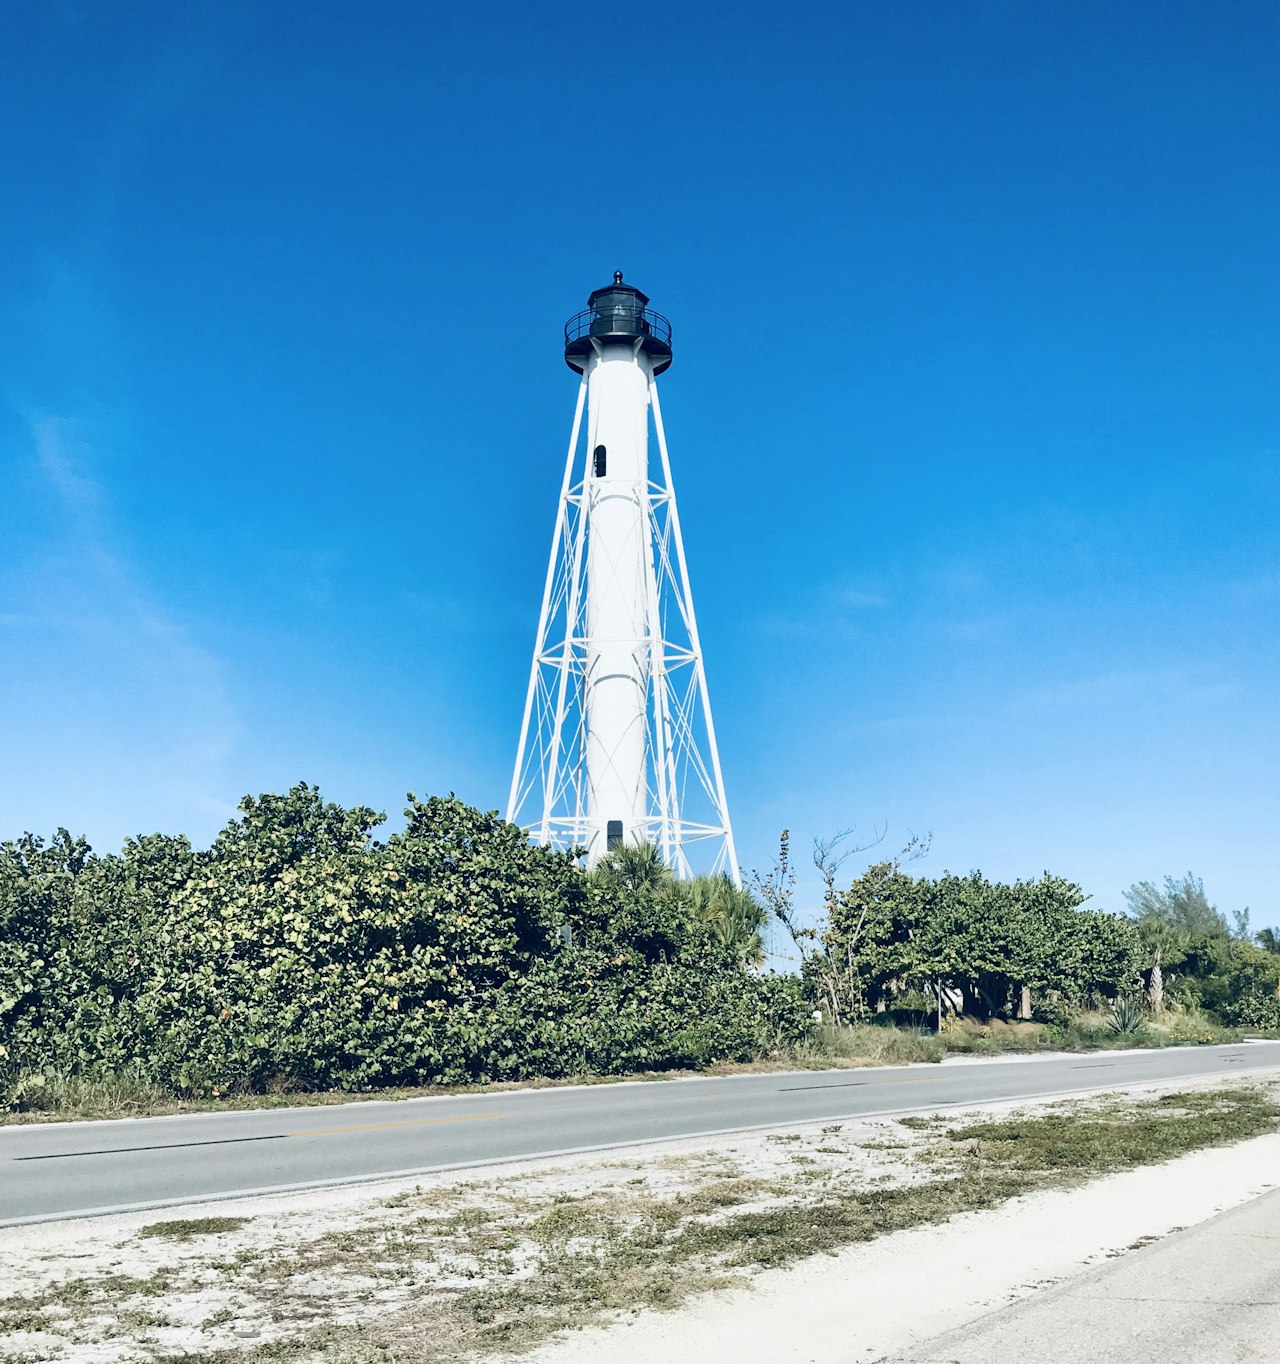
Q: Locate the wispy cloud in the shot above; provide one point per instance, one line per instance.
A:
(858, 599)
(1175, 686)
(810, 625)
(836, 612)
(975, 629)
(143, 702)
(63, 455)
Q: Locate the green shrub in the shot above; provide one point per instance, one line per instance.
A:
(1218, 973)
(1192, 1024)
(1255, 1010)
(1084, 1034)
(1052, 1012)
(299, 952)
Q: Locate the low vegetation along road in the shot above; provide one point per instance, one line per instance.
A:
(59, 1170)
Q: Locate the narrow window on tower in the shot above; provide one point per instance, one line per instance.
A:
(599, 460)
(613, 834)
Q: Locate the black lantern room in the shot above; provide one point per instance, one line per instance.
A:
(618, 313)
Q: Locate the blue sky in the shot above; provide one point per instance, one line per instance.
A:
(973, 413)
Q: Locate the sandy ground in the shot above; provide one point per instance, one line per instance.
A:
(226, 1290)
(104, 1292)
(886, 1296)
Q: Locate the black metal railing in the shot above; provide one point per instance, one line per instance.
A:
(618, 319)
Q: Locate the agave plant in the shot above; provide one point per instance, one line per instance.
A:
(1127, 1016)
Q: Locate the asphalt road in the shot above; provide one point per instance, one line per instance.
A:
(1209, 1294)
(80, 1169)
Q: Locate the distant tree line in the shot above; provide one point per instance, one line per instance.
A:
(963, 944)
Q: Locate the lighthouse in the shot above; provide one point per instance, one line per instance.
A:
(617, 742)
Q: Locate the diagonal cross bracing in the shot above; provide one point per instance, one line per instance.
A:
(683, 806)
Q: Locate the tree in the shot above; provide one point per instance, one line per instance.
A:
(637, 878)
(872, 937)
(1182, 904)
(1268, 940)
(985, 946)
(827, 974)
(732, 916)
(634, 869)
(301, 951)
(1173, 924)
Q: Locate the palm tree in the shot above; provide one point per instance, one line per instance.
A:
(635, 869)
(731, 915)
(1165, 946)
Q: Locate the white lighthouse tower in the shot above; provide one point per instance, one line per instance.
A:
(617, 744)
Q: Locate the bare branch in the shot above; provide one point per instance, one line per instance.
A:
(829, 856)
(918, 846)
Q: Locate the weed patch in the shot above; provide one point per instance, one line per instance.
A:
(1121, 1136)
(189, 1228)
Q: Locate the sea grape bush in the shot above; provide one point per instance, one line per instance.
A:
(300, 951)
(971, 944)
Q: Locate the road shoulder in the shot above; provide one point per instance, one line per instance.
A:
(891, 1296)
(453, 1265)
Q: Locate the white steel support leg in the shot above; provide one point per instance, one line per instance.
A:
(539, 649)
(730, 851)
(568, 658)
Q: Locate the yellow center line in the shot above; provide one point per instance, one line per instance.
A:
(383, 1126)
(914, 1080)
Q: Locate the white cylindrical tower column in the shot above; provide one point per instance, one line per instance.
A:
(618, 355)
(616, 645)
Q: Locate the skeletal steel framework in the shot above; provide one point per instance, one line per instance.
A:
(682, 807)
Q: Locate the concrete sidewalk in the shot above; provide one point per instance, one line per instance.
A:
(1209, 1294)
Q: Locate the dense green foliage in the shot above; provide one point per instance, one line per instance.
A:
(905, 948)
(1192, 957)
(732, 916)
(980, 942)
(963, 943)
(299, 951)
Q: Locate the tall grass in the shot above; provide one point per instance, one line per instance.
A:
(880, 1044)
(110, 1096)
(872, 1045)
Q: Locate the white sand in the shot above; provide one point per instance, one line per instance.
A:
(876, 1299)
